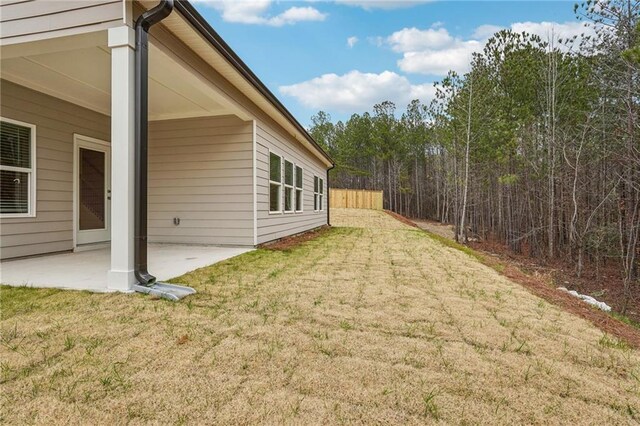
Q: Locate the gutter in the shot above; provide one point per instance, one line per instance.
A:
(202, 26)
(146, 282)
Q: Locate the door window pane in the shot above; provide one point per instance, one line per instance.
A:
(91, 189)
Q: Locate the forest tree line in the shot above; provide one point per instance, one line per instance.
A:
(537, 146)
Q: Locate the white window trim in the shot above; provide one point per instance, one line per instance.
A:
(295, 188)
(280, 203)
(31, 171)
(292, 187)
(318, 193)
(315, 194)
(321, 193)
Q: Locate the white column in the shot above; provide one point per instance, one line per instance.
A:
(122, 44)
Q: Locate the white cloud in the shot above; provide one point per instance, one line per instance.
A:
(413, 39)
(438, 62)
(357, 91)
(382, 4)
(434, 51)
(297, 14)
(255, 12)
(351, 41)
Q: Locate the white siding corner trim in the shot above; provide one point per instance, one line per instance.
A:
(255, 185)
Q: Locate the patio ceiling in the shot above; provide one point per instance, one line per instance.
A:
(80, 72)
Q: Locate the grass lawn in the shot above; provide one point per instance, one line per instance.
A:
(371, 322)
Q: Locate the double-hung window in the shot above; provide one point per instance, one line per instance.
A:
(299, 199)
(318, 193)
(17, 168)
(288, 186)
(275, 182)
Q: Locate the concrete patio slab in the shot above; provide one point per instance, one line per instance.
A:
(87, 270)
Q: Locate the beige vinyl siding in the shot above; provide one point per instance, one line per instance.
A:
(273, 226)
(269, 227)
(200, 170)
(22, 21)
(56, 121)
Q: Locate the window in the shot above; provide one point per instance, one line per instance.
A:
(275, 182)
(288, 186)
(17, 168)
(299, 199)
(318, 193)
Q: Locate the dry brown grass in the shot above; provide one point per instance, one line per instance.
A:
(375, 323)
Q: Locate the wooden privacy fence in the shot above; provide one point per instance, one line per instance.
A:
(355, 199)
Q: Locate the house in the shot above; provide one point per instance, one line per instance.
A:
(228, 165)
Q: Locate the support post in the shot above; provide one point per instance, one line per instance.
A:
(121, 272)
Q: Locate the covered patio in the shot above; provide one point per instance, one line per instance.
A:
(87, 270)
(76, 93)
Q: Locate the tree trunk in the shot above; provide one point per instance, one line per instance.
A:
(462, 231)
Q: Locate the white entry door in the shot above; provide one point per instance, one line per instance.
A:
(92, 190)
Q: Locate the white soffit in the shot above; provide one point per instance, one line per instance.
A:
(83, 76)
(72, 75)
(176, 93)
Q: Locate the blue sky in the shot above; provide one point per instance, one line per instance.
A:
(343, 56)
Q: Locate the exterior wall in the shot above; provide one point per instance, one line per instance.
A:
(27, 20)
(271, 226)
(200, 170)
(56, 121)
(269, 135)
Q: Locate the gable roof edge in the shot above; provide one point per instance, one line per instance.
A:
(187, 10)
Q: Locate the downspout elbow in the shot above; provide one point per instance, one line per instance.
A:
(155, 15)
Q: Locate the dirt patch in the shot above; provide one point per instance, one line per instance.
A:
(288, 243)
